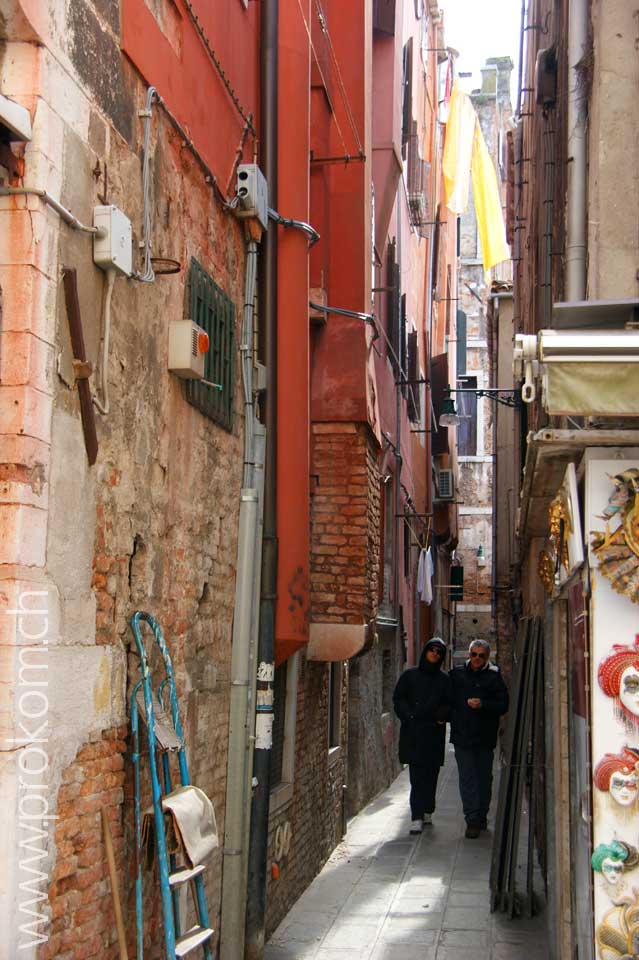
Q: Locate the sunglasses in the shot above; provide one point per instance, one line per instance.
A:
(479, 656)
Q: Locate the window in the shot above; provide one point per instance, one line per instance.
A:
(401, 352)
(387, 542)
(212, 310)
(334, 704)
(462, 343)
(407, 545)
(438, 384)
(393, 318)
(407, 111)
(467, 410)
(282, 768)
(414, 388)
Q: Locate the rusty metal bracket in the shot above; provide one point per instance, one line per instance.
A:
(80, 363)
(82, 369)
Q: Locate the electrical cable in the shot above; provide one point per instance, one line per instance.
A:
(62, 212)
(323, 78)
(306, 228)
(148, 274)
(400, 367)
(103, 404)
(247, 118)
(246, 352)
(347, 106)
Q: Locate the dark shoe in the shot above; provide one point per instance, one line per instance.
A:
(472, 831)
(483, 824)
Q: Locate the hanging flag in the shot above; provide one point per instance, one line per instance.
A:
(490, 218)
(465, 150)
(458, 148)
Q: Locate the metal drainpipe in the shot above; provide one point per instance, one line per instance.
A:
(429, 419)
(242, 699)
(398, 431)
(258, 844)
(576, 238)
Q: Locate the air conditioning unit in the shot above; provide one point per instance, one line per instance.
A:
(445, 484)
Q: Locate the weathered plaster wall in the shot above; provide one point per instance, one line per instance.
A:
(611, 72)
(153, 524)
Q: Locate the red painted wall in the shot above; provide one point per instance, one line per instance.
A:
(293, 441)
(172, 57)
(342, 201)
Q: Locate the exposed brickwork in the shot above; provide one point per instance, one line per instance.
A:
(82, 921)
(315, 811)
(345, 524)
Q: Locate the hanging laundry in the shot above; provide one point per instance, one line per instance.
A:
(458, 149)
(425, 576)
(490, 219)
(465, 151)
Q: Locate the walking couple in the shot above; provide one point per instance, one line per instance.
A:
(472, 697)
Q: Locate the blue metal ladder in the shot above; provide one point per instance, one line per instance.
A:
(172, 875)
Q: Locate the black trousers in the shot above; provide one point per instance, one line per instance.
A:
(475, 766)
(423, 789)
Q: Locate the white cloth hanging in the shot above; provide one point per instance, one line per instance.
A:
(425, 576)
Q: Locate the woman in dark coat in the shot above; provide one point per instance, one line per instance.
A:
(422, 703)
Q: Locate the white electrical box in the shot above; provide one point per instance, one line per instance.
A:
(252, 192)
(188, 346)
(113, 248)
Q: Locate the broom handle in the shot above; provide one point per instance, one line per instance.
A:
(108, 843)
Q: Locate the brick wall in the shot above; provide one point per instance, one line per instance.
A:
(344, 524)
(345, 587)
(315, 810)
(82, 919)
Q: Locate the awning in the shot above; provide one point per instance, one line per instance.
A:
(547, 455)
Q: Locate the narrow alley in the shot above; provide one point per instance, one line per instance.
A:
(319, 430)
(385, 895)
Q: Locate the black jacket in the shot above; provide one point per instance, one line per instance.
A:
(477, 728)
(421, 699)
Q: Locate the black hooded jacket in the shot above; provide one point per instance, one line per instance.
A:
(422, 703)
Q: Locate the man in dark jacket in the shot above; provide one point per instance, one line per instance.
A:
(422, 703)
(480, 698)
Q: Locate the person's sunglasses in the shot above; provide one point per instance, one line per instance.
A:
(480, 656)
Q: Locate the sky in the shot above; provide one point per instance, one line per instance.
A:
(479, 29)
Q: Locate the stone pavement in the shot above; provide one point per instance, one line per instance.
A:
(385, 895)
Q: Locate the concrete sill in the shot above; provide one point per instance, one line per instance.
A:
(281, 795)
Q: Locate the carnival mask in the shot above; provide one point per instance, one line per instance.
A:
(629, 690)
(623, 788)
(612, 870)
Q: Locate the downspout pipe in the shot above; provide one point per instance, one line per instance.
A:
(242, 700)
(576, 234)
(258, 844)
